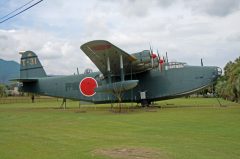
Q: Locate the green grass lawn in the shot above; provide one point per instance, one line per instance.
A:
(193, 128)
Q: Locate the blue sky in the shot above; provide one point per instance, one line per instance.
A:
(188, 29)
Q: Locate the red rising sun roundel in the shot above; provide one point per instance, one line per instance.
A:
(87, 86)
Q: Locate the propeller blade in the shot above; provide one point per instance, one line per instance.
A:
(158, 55)
(166, 57)
(150, 49)
(159, 67)
(152, 61)
(151, 54)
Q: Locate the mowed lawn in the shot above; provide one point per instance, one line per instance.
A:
(193, 128)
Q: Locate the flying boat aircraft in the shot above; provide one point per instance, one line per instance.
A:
(142, 77)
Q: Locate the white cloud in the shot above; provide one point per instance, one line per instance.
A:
(188, 30)
(219, 8)
(58, 56)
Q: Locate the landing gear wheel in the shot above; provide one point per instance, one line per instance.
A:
(145, 103)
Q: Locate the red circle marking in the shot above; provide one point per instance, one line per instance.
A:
(87, 86)
(161, 61)
(154, 55)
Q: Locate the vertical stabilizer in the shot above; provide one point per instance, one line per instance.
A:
(30, 66)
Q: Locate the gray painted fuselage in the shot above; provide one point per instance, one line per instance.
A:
(158, 85)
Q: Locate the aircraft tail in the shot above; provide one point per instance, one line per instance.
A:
(31, 66)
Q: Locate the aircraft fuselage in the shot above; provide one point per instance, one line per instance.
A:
(172, 81)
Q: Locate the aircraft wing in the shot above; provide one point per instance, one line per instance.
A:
(100, 50)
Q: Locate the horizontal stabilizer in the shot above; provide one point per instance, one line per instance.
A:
(118, 86)
(25, 80)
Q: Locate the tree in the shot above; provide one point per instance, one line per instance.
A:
(2, 90)
(228, 86)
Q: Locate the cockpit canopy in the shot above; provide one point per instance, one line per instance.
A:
(172, 65)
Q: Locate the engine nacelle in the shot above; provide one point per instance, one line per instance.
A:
(145, 59)
(143, 56)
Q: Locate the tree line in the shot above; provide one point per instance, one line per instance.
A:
(2, 90)
(228, 85)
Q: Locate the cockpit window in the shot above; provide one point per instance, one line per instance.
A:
(172, 65)
(99, 77)
(88, 71)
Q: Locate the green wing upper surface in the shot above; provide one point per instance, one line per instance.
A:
(100, 50)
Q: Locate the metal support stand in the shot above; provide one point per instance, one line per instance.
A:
(121, 67)
(109, 71)
(64, 103)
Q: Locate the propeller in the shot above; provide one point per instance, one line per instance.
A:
(159, 66)
(201, 62)
(152, 55)
(160, 61)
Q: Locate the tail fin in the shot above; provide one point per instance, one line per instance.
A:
(31, 66)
